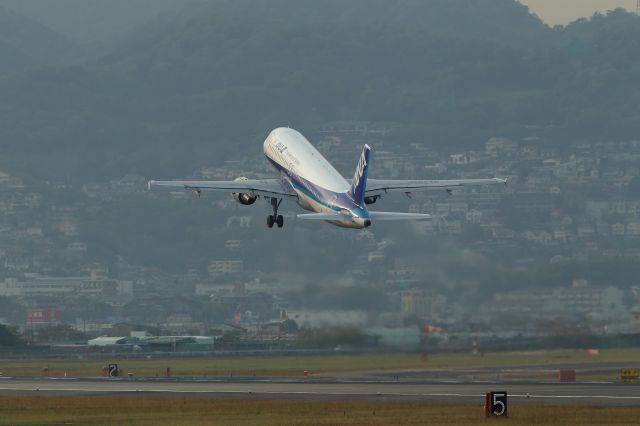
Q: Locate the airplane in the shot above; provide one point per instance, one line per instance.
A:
(306, 177)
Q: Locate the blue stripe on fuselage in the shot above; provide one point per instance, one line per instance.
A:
(336, 201)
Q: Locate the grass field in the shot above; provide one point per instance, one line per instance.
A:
(296, 365)
(148, 411)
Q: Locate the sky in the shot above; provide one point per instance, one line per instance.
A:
(562, 12)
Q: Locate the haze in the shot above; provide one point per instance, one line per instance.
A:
(98, 97)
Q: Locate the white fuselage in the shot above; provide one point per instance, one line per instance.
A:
(318, 185)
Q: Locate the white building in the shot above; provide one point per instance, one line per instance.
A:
(36, 286)
(219, 267)
(580, 299)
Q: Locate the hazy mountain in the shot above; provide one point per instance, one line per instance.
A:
(88, 21)
(207, 83)
(454, 18)
(35, 40)
(597, 92)
(268, 43)
(194, 87)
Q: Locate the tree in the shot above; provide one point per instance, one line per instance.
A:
(230, 336)
(330, 337)
(61, 333)
(9, 337)
(289, 326)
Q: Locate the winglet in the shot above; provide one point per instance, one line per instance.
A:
(149, 184)
(505, 181)
(359, 184)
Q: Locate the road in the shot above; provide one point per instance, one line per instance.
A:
(588, 393)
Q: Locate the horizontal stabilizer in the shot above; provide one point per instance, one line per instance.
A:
(374, 216)
(321, 216)
(379, 216)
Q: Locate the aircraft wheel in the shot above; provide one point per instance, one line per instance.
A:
(280, 221)
(270, 221)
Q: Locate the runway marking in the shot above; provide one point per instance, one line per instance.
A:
(576, 396)
(461, 395)
(244, 392)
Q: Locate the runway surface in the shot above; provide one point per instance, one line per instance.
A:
(592, 393)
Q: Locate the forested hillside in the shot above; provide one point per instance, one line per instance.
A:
(219, 75)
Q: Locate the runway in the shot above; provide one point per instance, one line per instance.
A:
(590, 393)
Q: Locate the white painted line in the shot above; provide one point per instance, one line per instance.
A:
(455, 395)
(575, 396)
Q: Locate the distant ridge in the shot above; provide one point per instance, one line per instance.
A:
(93, 21)
(36, 40)
(194, 87)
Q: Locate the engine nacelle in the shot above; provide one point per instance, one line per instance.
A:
(247, 198)
(371, 200)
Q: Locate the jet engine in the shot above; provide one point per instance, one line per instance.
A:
(247, 198)
(371, 199)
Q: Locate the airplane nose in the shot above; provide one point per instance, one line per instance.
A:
(367, 223)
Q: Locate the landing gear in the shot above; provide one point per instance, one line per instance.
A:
(275, 217)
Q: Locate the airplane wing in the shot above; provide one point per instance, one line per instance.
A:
(265, 187)
(321, 216)
(378, 186)
(379, 216)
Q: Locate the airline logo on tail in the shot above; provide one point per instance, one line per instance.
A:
(359, 184)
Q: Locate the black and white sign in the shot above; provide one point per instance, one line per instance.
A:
(113, 370)
(496, 404)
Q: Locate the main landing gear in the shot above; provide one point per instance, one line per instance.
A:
(275, 217)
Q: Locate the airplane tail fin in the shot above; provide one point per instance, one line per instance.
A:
(359, 184)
